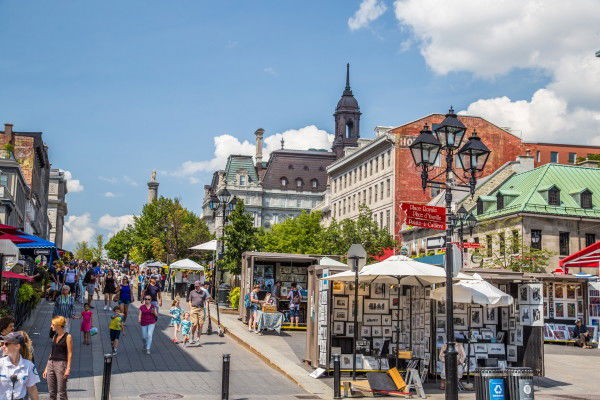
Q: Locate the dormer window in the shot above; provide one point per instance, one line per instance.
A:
(499, 201)
(586, 199)
(554, 196)
(284, 181)
(242, 180)
(479, 206)
(299, 183)
(314, 183)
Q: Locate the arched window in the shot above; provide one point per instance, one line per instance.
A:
(284, 181)
(314, 183)
(554, 196)
(299, 182)
(349, 126)
(586, 199)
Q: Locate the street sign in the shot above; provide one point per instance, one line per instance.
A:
(41, 252)
(468, 245)
(425, 216)
(436, 242)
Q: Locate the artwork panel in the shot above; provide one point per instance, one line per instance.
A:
(376, 306)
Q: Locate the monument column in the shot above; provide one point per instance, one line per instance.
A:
(152, 188)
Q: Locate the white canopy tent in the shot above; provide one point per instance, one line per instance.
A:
(330, 262)
(475, 291)
(208, 246)
(187, 264)
(153, 264)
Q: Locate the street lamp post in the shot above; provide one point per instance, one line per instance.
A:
(472, 157)
(356, 253)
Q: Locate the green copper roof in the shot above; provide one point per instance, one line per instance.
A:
(237, 162)
(530, 189)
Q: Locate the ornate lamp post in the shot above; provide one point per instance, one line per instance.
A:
(358, 255)
(447, 138)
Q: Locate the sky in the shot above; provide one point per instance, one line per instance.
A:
(121, 88)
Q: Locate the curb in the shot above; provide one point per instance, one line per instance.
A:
(275, 366)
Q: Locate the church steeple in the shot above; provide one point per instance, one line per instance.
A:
(347, 120)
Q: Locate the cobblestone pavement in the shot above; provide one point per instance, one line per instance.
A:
(192, 372)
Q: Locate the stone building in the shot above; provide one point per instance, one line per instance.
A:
(553, 207)
(291, 181)
(363, 175)
(32, 154)
(13, 191)
(57, 205)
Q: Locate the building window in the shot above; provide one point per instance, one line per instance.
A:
(538, 156)
(334, 209)
(502, 243)
(370, 167)
(514, 244)
(370, 192)
(298, 203)
(479, 206)
(572, 158)
(306, 167)
(563, 243)
(290, 166)
(381, 191)
(345, 181)
(489, 246)
(435, 189)
(344, 206)
(590, 239)
(554, 196)
(375, 190)
(586, 199)
(553, 156)
(299, 183)
(389, 158)
(314, 183)
(499, 201)
(284, 181)
(387, 188)
(242, 180)
(376, 164)
(387, 219)
(536, 239)
(381, 220)
(4, 180)
(365, 196)
(360, 172)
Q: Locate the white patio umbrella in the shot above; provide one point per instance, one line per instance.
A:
(211, 245)
(474, 291)
(188, 264)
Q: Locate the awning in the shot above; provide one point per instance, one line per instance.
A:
(330, 262)
(588, 257)
(14, 238)
(13, 275)
(152, 264)
(208, 246)
(10, 230)
(188, 264)
(37, 243)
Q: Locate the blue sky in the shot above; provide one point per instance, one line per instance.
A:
(122, 88)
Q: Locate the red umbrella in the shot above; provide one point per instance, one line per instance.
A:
(10, 230)
(15, 239)
(10, 274)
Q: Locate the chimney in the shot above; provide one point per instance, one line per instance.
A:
(525, 163)
(259, 146)
(7, 137)
(8, 129)
(589, 163)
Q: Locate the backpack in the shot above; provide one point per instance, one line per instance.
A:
(296, 298)
(247, 302)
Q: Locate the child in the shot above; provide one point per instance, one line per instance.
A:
(86, 323)
(186, 325)
(115, 327)
(175, 312)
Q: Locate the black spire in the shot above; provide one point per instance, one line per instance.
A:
(347, 119)
(348, 78)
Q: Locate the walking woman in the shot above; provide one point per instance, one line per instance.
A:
(110, 288)
(58, 368)
(147, 318)
(80, 286)
(64, 307)
(13, 365)
(125, 296)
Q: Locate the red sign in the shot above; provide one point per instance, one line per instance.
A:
(468, 245)
(425, 216)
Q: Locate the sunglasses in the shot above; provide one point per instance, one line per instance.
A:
(148, 298)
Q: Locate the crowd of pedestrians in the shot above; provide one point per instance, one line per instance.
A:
(73, 288)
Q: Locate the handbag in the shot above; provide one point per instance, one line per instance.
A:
(93, 331)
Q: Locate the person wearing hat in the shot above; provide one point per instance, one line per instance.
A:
(18, 376)
(196, 300)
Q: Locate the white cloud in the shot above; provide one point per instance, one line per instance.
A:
(73, 185)
(270, 71)
(123, 179)
(297, 139)
(113, 224)
(368, 11)
(109, 194)
(77, 228)
(554, 37)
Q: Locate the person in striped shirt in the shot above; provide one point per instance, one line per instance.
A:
(64, 306)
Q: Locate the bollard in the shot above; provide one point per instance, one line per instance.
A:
(108, 359)
(337, 392)
(225, 379)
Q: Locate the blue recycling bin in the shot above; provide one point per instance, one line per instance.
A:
(490, 384)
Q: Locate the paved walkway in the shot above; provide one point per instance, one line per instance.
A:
(192, 372)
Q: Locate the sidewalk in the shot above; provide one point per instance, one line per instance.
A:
(171, 371)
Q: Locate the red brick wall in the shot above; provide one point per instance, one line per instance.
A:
(563, 151)
(504, 146)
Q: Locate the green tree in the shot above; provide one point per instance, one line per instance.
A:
(120, 245)
(83, 251)
(302, 235)
(240, 236)
(98, 249)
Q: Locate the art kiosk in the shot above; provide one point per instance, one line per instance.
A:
(264, 269)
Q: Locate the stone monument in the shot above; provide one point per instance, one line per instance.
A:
(152, 188)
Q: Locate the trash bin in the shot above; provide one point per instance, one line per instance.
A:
(489, 384)
(520, 383)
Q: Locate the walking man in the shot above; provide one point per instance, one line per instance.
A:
(153, 290)
(196, 299)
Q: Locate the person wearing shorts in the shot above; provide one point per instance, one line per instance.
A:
(196, 300)
(295, 299)
(90, 285)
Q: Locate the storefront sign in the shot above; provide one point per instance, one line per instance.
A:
(41, 252)
(425, 216)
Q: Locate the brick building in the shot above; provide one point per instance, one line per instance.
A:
(504, 145)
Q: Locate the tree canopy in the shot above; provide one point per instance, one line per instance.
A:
(240, 236)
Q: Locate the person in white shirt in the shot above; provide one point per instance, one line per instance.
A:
(18, 376)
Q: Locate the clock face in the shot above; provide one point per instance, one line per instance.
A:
(476, 258)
